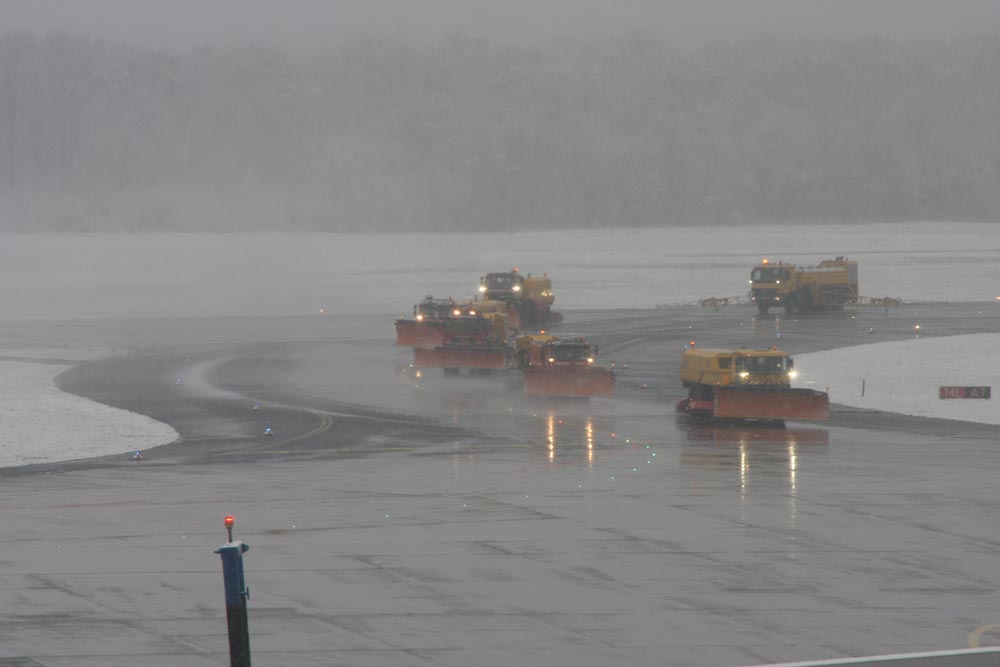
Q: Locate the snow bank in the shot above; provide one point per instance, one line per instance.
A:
(39, 423)
(904, 376)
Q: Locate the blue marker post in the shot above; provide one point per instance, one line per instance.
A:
(236, 598)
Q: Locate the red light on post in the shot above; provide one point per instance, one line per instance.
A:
(229, 527)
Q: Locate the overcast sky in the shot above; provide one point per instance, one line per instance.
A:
(186, 23)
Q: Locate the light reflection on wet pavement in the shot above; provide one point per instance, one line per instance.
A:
(451, 521)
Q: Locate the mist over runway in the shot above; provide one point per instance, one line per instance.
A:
(399, 520)
(402, 520)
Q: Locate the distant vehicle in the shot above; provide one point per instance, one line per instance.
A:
(423, 327)
(469, 339)
(529, 299)
(426, 328)
(829, 286)
(561, 366)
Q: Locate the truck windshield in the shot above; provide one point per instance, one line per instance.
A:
(570, 352)
(762, 365)
(765, 274)
(439, 310)
(502, 280)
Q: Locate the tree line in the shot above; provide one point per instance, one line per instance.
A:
(378, 133)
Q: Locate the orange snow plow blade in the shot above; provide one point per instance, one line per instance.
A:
(459, 357)
(771, 404)
(569, 381)
(411, 333)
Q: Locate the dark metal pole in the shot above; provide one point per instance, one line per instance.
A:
(236, 600)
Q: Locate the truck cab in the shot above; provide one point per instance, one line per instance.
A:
(505, 286)
(569, 351)
(770, 284)
(724, 368)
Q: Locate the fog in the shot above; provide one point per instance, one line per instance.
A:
(309, 23)
(473, 116)
(643, 154)
(71, 298)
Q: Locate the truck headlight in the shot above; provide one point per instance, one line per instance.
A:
(482, 288)
(516, 288)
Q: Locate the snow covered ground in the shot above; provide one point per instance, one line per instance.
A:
(905, 376)
(93, 276)
(41, 424)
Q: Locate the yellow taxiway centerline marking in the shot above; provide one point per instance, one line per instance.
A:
(325, 422)
(346, 450)
(972, 640)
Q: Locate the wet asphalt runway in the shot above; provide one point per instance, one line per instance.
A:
(404, 520)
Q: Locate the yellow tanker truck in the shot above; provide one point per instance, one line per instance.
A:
(801, 289)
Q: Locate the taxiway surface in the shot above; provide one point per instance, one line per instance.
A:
(404, 520)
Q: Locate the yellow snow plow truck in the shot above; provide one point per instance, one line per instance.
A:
(746, 384)
(802, 289)
(561, 366)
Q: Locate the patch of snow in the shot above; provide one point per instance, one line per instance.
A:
(41, 424)
(905, 376)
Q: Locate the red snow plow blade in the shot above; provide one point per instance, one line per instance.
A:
(569, 381)
(776, 404)
(414, 333)
(771, 404)
(459, 357)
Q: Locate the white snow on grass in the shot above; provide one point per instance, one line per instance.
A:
(905, 376)
(41, 424)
